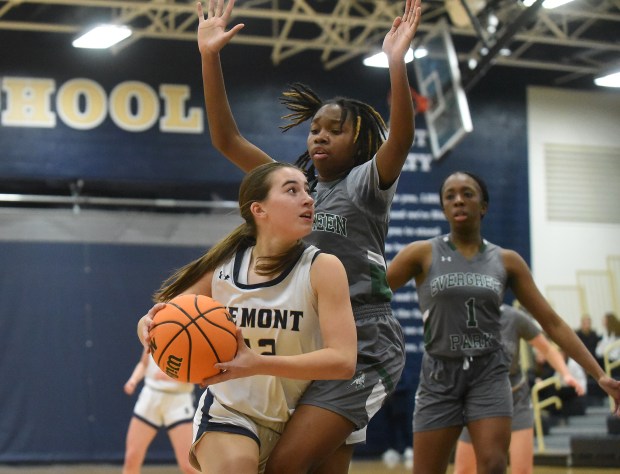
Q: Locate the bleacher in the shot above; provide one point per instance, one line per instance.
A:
(590, 439)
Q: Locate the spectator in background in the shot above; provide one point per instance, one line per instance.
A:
(588, 336)
(611, 334)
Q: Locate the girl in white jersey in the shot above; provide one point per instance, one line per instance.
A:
(163, 403)
(461, 279)
(357, 170)
(263, 267)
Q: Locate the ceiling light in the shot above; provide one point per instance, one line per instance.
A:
(492, 23)
(420, 52)
(548, 4)
(380, 59)
(610, 80)
(102, 37)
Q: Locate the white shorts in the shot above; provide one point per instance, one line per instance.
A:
(164, 409)
(212, 416)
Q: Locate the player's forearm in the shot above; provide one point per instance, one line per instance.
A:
(556, 360)
(138, 373)
(322, 364)
(402, 122)
(222, 125)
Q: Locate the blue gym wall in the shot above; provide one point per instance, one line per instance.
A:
(68, 312)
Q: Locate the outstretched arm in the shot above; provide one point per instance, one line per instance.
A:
(410, 262)
(226, 138)
(526, 291)
(137, 375)
(393, 153)
(556, 360)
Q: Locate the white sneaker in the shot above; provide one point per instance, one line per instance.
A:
(408, 458)
(391, 458)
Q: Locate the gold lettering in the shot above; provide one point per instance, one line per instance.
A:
(174, 119)
(94, 109)
(134, 106)
(28, 102)
(83, 104)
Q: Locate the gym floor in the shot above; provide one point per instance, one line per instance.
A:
(357, 467)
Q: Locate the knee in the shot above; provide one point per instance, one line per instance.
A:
(299, 464)
(493, 463)
(302, 462)
(132, 462)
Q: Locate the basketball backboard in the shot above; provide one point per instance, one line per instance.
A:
(439, 80)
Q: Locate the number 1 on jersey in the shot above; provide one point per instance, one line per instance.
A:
(471, 313)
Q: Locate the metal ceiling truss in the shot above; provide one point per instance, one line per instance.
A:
(578, 39)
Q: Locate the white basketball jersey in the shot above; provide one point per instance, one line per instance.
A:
(277, 317)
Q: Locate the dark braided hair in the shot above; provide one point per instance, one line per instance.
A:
(370, 129)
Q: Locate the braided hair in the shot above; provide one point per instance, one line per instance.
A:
(370, 129)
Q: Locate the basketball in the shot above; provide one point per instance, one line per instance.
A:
(191, 334)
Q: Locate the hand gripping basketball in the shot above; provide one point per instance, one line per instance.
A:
(191, 334)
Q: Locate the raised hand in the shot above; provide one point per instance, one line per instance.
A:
(612, 387)
(398, 39)
(212, 34)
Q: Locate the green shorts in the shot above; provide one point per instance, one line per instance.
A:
(453, 392)
(522, 411)
(380, 362)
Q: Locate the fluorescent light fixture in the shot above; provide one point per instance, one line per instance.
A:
(420, 52)
(102, 37)
(380, 59)
(548, 4)
(610, 80)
